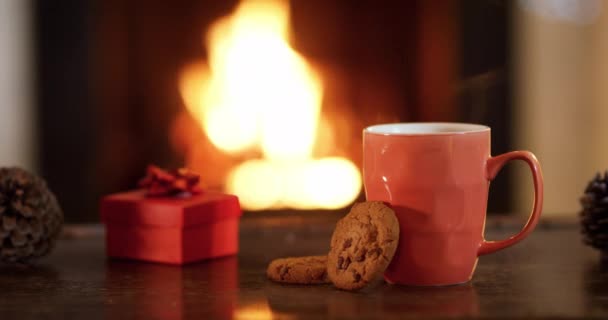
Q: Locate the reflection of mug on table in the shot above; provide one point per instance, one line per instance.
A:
(436, 177)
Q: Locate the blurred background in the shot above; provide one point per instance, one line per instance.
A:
(267, 99)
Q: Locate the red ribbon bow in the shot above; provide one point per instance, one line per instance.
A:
(159, 182)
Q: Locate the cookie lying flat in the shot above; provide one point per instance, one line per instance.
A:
(362, 245)
(300, 270)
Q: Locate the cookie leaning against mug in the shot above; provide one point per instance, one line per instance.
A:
(299, 270)
(362, 245)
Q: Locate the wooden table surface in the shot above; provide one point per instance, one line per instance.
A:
(551, 274)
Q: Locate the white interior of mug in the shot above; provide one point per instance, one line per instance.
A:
(418, 128)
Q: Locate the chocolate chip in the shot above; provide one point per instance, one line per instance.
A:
(357, 277)
(322, 276)
(343, 263)
(347, 243)
(374, 252)
(284, 272)
(346, 263)
(373, 236)
(361, 256)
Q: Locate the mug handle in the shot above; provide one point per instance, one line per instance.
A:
(493, 166)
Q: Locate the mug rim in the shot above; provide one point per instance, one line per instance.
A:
(425, 128)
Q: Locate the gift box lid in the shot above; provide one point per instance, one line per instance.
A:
(134, 208)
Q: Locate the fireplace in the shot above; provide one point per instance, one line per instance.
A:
(266, 99)
(250, 107)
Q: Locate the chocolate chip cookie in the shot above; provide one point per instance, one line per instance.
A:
(300, 270)
(362, 245)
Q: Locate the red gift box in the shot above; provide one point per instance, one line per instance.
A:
(170, 229)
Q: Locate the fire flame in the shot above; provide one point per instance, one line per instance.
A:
(258, 92)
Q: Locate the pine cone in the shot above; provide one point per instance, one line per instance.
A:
(594, 217)
(30, 216)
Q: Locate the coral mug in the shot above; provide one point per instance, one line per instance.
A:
(436, 176)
